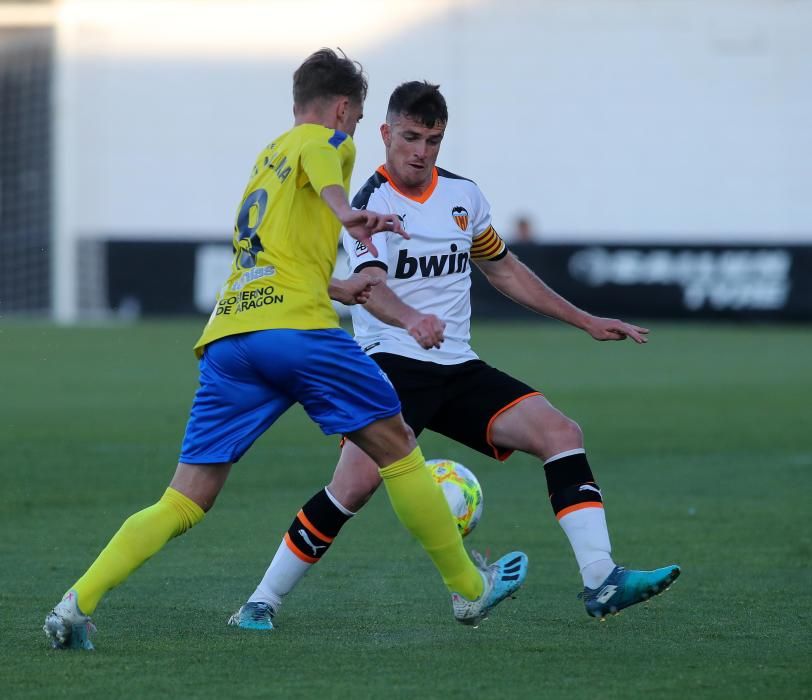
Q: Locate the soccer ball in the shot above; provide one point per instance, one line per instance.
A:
(462, 491)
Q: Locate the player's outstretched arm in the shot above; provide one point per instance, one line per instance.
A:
(518, 282)
(427, 329)
(360, 223)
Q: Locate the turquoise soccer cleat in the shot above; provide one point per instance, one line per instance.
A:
(625, 587)
(253, 616)
(67, 627)
(502, 579)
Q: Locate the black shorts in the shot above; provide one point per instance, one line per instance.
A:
(458, 401)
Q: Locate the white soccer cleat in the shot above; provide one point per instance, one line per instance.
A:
(67, 627)
(502, 579)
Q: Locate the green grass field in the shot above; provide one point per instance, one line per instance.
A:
(701, 442)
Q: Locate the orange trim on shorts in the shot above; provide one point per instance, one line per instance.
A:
(502, 455)
(312, 527)
(298, 552)
(578, 506)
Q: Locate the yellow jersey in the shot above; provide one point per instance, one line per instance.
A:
(285, 237)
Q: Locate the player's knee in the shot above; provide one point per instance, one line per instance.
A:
(402, 440)
(386, 440)
(408, 436)
(570, 432)
(396, 434)
(557, 433)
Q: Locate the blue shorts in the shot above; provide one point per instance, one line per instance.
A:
(247, 381)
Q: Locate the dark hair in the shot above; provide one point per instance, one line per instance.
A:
(325, 74)
(421, 101)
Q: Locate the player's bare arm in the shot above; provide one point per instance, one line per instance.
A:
(427, 329)
(518, 282)
(360, 223)
(356, 289)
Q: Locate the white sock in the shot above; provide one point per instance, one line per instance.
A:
(589, 537)
(285, 571)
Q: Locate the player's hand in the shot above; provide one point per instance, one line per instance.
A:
(356, 289)
(427, 330)
(361, 224)
(614, 329)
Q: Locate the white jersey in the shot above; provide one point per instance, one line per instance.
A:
(449, 225)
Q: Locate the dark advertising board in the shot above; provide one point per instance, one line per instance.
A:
(752, 282)
(663, 281)
(153, 278)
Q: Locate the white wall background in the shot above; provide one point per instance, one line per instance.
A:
(680, 120)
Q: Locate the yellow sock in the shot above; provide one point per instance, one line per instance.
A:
(420, 505)
(142, 535)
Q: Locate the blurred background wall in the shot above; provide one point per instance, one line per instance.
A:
(646, 143)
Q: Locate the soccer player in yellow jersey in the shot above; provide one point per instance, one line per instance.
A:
(273, 339)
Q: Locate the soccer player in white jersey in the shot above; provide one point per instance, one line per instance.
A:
(416, 326)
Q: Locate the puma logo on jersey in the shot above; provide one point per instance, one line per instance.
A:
(431, 265)
(314, 547)
(460, 215)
